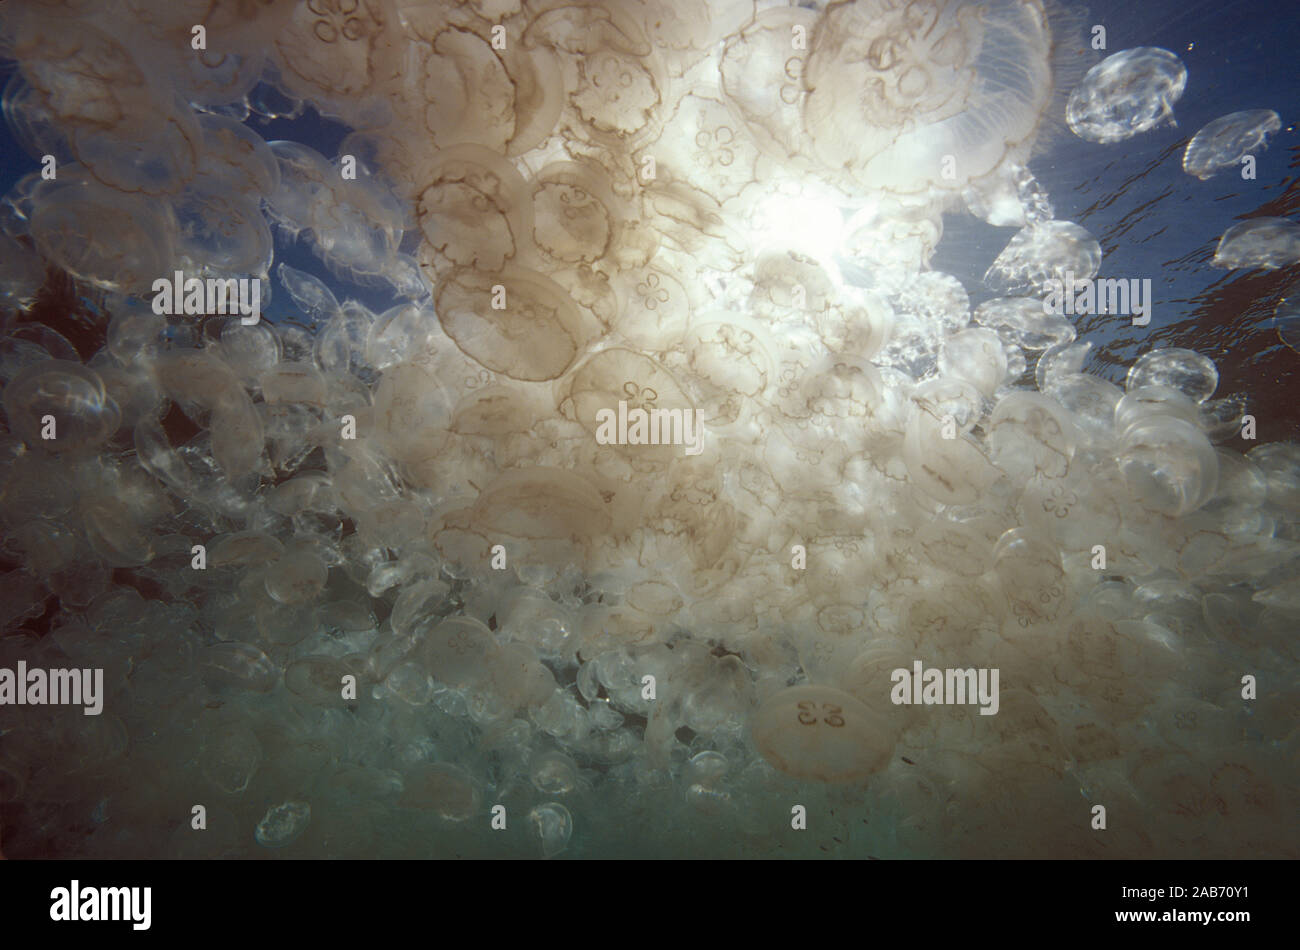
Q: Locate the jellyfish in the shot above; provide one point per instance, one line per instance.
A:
(1056, 251)
(1127, 93)
(735, 218)
(1191, 373)
(552, 825)
(230, 757)
(1024, 322)
(283, 824)
(823, 734)
(1228, 139)
(516, 322)
(928, 95)
(1266, 243)
(113, 240)
(60, 406)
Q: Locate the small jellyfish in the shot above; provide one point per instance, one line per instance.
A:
(1027, 437)
(1169, 464)
(283, 824)
(975, 355)
(553, 826)
(707, 768)
(116, 241)
(1053, 251)
(516, 322)
(457, 651)
(1187, 371)
(1126, 93)
(822, 733)
(60, 406)
(316, 303)
(221, 232)
(553, 773)
(1226, 140)
(1024, 321)
(296, 578)
(894, 88)
(1267, 243)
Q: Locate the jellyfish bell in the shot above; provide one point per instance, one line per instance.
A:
(1127, 93)
(1265, 242)
(925, 97)
(823, 734)
(1228, 139)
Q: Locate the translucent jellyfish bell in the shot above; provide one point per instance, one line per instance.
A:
(822, 733)
(1187, 371)
(230, 756)
(1126, 93)
(283, 824)
(116, 241)
(70, 394)
(1226, 140)
(1025, 322)
(1169, 464)
(896, 88)
(1052, 250)
(553, 827)
(1267, 243)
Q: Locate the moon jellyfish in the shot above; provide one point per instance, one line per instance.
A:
(1189, 372)
(1267, 243)
(1023, 321)
(1169, 464)
(283, 824)
(822, 733)
(894, 89)
(101, 235)
(553, 773)
(238, 665)
(436, 533)
(1126, 93)
(60, 406)
(1226, 140)
(517, 322)
(552, 827)
(1052, 250)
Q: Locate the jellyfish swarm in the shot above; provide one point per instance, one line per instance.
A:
(363, 572)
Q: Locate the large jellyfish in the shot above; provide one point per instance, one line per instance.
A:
(913, 97)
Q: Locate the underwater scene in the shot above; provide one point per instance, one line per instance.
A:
(649, 428)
